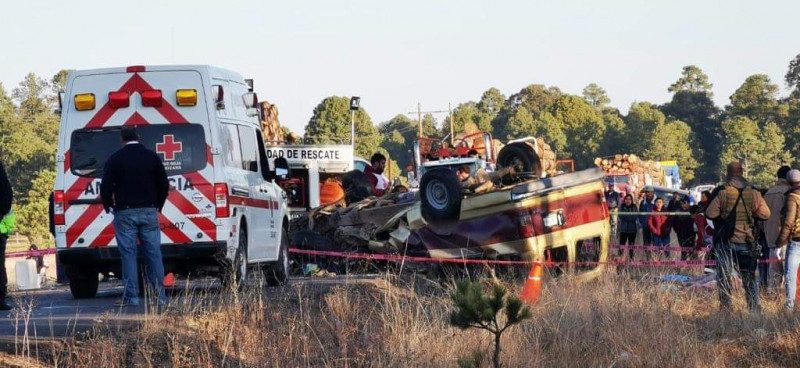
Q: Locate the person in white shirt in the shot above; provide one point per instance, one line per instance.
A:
(375, 174)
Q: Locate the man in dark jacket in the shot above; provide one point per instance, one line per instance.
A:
(6, 196)
(684, 228)
(646, 205)
(135, 187)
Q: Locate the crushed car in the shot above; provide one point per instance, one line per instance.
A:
(473, 203)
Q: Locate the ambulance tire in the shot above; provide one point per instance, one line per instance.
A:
(236, 273)
(278, 273)
(522, 157)
(440, 192)
(83, 282)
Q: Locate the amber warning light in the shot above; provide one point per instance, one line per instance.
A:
(186, 97)
(84, 101)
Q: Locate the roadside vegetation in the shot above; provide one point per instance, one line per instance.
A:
(759, 126)
(618, 320)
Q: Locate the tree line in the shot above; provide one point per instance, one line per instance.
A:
(28, 143)
(759, 127)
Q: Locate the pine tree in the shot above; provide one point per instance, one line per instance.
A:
(475, 309)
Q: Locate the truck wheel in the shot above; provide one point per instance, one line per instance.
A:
(522, 158)
(440, 192)
(237, 272)
(83, 282)
(278, 273)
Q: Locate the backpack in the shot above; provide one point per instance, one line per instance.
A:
(725, 227)
(785, 207)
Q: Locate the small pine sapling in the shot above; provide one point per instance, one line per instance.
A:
(476, 309)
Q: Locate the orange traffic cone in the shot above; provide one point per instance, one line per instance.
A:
(533, 284)
(169, 280)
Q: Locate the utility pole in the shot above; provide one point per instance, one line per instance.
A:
(355, 103)
(419, 113)
(419, 118)
(450, 110)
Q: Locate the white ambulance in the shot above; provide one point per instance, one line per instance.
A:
(224, 215)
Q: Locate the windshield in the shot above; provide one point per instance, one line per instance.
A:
(618, 179)
(182, 147)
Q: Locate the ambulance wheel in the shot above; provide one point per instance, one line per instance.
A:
(278, 273)
(440, 191)
(237, 272)
(83, 282)
(522, 158)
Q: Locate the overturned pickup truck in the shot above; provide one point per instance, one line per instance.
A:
(473, 205)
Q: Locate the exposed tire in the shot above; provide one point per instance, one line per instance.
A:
(522, 158)
(278, 273)
(236, 274)
(83, 282)
(440, 191)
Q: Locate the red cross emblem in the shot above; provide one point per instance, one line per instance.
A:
(169, 147)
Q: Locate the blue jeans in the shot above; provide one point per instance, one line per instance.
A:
(790, 266)
(661, 241)
(737, 256)
(130, 226)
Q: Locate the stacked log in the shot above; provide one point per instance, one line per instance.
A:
(547, 156)
(632, 165)
(270, 126)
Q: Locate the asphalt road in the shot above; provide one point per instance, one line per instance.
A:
(53, 313)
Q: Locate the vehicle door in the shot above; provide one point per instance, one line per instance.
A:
(259, 207)
(274, 195)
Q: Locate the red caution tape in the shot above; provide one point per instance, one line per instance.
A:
(401, 258)
(31, 253)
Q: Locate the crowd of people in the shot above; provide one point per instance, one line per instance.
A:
(658, 218)
(755, 232)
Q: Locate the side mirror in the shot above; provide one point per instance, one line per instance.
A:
(250, 100)
(281, 167)
(60, 108)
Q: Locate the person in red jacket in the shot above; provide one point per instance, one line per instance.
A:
(660, 225)
(705, 232)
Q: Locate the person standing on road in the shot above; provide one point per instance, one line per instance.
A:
(775, 198)
(684, 228)
(660, 225)
(645, 206)
(735, 209)
(790, 235)
(675, 203)
(627, 227)
(135, 187)
(6, 197)
(612, 199)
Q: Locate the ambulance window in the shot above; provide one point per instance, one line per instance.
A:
(181, 147)
(247, 137)
(234, 153)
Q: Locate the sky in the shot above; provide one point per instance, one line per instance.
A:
(397, 54)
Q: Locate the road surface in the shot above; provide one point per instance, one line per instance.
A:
(53, 313)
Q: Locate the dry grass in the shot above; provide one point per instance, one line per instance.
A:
(613, 321)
